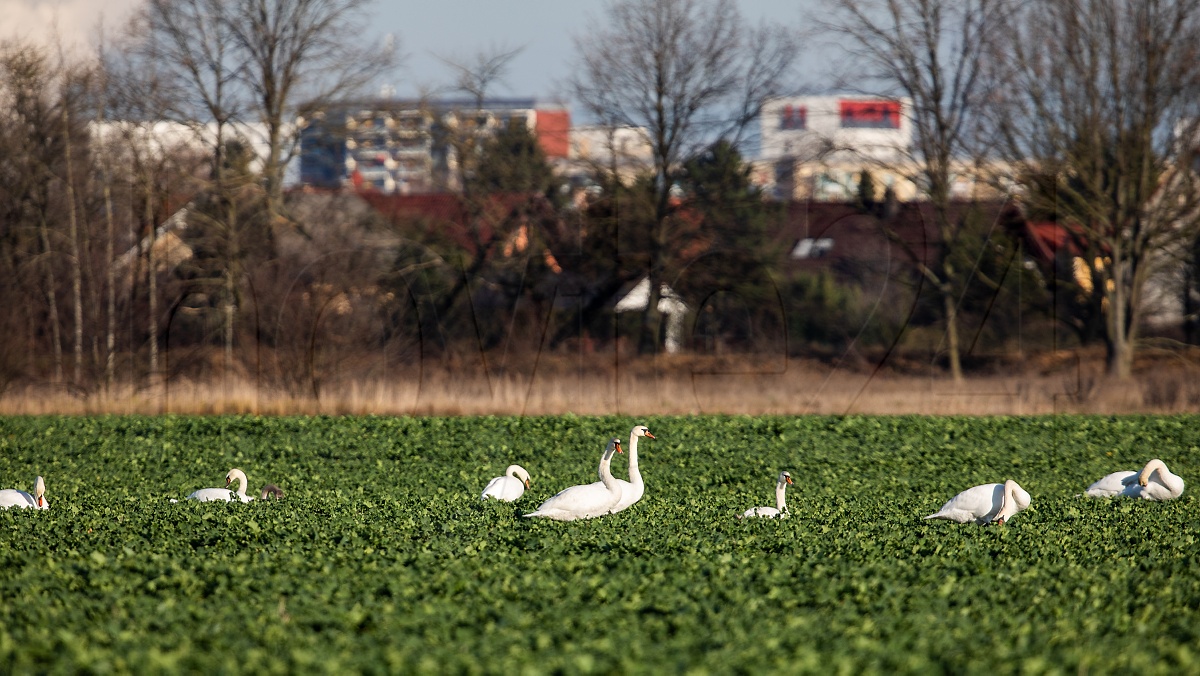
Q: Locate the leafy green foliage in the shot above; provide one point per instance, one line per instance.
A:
(732, 282)
(512, 161)
(382, 558)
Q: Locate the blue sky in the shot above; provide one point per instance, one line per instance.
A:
(458, 29)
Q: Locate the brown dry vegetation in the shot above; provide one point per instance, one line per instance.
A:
(1058, 382)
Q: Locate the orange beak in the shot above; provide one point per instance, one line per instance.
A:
(619, 448)
(527, 483)
(789, 480)
(228, 481)
(650, 435)
(41, 501)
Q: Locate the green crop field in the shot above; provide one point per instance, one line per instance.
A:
(382, 558)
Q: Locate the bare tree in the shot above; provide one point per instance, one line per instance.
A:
(301, 50)
(687, 73)
(476, 75)
(73, 87)
(193, 43)
(1102, 101)
(104, 165)
(161, 169)
(934, 53)
(32, 85)
(488, 218)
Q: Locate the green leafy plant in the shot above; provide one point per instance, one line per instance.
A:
(381, 557)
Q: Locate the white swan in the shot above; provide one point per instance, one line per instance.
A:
(780, 508)
(634, 489)
(587, 500)
(509, 487)
(1154, 482)
(984, 504)
(224, 494)
(11, 497)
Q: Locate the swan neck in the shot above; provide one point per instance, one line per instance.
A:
(241, 482)
(780, 496)
(635, 476)
(606, 475)
(1150, 468)
(1008, 498)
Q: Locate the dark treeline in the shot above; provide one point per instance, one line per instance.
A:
(145, 234)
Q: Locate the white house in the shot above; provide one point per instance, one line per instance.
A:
(669, 304)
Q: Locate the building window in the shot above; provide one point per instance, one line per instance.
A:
(793, 117)
(812, 248)
(870, 114)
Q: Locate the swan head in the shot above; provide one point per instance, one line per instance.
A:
(518, 472)
(785, 478)
(614, 445)
(642, 431)
(235, 474)
(39, 491)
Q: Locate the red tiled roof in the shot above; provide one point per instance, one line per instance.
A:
(447, 213)
(1045, 239)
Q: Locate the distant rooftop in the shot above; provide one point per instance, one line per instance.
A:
(490, 103)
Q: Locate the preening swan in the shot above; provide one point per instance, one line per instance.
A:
(1154, 482)
(509, 487)
(780, 508)
(634, 489)
(11, 497)
(985, 504)
(224, 494)
(588, 500)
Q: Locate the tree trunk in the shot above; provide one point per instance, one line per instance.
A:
(52, 301)
(1118, 327)
(76, 261)
(1119, 355)
(651, 318)
(950, 309)
(110, 331)
(152, 284)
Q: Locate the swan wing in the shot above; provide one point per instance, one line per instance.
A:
(1111, 484)
(1158, 490)
(577, 502)
(504, 488)
(212, 495)
(765, 512)
(630, 493)
(11, 497)
(978, 504)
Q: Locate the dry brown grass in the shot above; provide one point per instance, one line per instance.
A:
(1053, 383)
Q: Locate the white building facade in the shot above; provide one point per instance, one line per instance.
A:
(816, 146)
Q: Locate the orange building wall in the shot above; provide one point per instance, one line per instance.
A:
(553, 129)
